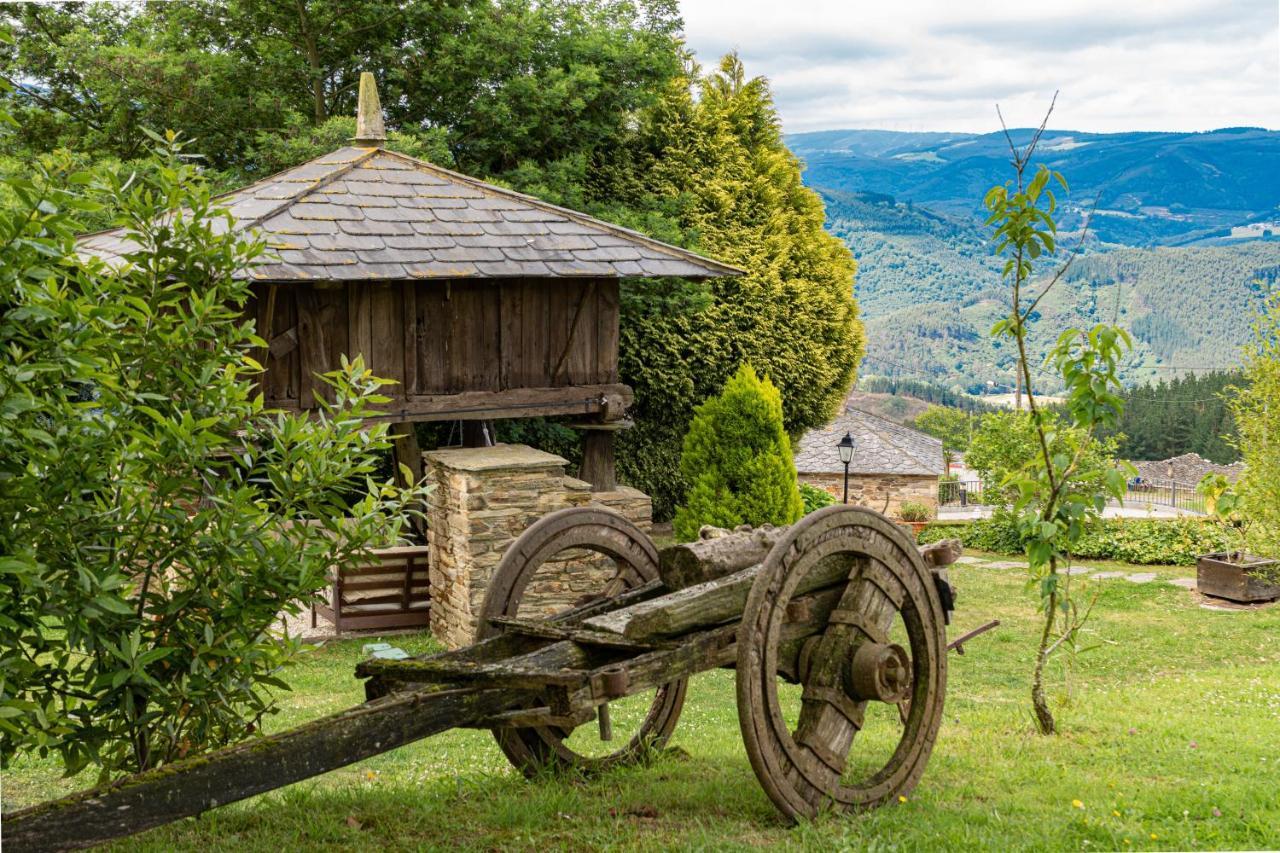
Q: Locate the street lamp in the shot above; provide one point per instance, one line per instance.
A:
(846, 456)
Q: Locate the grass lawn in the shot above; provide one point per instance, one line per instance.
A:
(1171, 740)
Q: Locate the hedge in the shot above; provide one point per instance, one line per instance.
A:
(1145, 541)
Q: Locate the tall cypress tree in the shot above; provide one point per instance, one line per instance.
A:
(718, 162)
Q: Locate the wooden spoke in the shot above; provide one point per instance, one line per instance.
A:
(636, 560)
(855, 664)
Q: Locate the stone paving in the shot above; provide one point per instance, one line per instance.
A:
(1094, 574)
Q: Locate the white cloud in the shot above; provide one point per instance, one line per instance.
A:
(937, 65)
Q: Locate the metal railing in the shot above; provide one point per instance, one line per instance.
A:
(1140, 493)
(1170, 493)
(960, 493)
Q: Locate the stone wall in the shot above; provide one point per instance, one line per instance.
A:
(882, 492)
(483, 498)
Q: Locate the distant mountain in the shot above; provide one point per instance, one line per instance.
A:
(1150, 188)
(930, 290)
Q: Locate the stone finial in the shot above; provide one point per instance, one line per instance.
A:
(369, 127)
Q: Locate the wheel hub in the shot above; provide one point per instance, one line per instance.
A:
(879, 672)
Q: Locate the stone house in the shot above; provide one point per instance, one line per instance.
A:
(892, 464)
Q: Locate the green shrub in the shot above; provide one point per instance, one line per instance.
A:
(737, 460)
(157, 520)
(815, 498)
(911, 511)
(1144, 541)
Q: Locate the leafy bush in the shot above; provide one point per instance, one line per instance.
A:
(815, 498)
(1256, 407)
(156, 520)
(737, 458)
(1005, 442)
(911, 511)
(1144, 541)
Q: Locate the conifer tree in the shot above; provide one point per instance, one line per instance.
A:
(737, 460)
(718, 163)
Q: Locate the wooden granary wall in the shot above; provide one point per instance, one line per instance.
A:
(515, 345)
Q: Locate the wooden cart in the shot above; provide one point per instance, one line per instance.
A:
(842, 603)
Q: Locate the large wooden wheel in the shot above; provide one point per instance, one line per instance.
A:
(635, 560)
(883, 645)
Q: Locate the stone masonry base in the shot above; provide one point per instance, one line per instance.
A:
(483, 498)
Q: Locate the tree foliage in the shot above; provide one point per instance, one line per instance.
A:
(1256, 407)
(595, 105)
(1058, 494)
(953, 427)
(1187, 414)
(722, 159)
(156, 520)
(1006, 442)
(737, 459)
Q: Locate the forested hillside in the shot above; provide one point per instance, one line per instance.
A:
(1182, 415)
(930, 292)
(1149, 188)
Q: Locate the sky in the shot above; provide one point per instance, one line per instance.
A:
(937, 65)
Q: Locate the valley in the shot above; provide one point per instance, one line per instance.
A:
(1160, 257)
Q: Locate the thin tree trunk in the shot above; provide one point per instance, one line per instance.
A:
(314, 66)
(1044, 717)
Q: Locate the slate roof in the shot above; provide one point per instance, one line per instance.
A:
(366, 213)
(1189, 468)
(880, 446)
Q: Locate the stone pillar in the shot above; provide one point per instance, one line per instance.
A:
(483, 498)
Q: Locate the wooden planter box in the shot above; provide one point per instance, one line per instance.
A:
(1216, 575)
(391, 590)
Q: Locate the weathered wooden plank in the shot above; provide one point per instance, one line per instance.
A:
(313, 349)
(386, 354)
(473, 358)
(409, 336)
(283, 380)
(722, 552)
(360, 321)
(228, 775)
(607, 330)
(703, 605)
(512, 403)
(433, 337)
(283, 343)
(939, 554)
(576, 357)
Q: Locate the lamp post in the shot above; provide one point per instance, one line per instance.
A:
(846, 456)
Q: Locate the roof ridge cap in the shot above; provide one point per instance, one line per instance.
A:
(342, 169)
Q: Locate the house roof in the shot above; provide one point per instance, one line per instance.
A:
(366, 213)
(1189, 468)
(880, 446)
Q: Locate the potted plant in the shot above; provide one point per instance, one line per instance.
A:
(1236, 574)
(915, 515)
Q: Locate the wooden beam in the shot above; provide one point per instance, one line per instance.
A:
(198, 784)
(598, 464)
(514, 403)
(708, 604)
(718, 554)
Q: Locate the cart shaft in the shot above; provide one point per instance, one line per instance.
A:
(198, 784)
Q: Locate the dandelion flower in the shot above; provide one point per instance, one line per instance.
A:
(1077, 804)
(902, 798)
(1116, 813)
